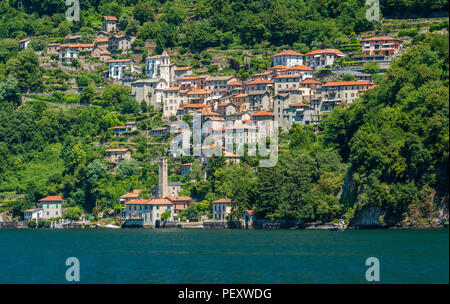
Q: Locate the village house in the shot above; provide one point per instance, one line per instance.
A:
(130, 196)
(303, 70)
(297, 113)
(51, 207)
(226, 108)
(258, 85)
(173, 188)
(120, 43)
(102, 35)
(363, 76)
(23, 43)
(119, 130)
(147, 89)
(103, 43)
(131, 126)
(264, 119)
(287, 82)
(172, 99)
(282, 102)
(259, 100)
(201, 96)
(72, 39)
(345, 91)
(187, 83)
(32, 214)
(53, 48)
(115, 156)
(310, 89)
(69, 52)
(385, 46)
(119, 67)
(161, 131)
(109, 24)
(234, 87)
(185, 168)
(147, 212)
(188, 109)
(101, 53)
(221, 209)
(179, 203)
(287, 58)
(181, 72)
(158, 66)
(322, 58)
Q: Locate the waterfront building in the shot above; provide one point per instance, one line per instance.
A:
(180, 203)
(221, 209)
(51, 207)
(32, 214)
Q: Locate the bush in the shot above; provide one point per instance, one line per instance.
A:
(410, 33)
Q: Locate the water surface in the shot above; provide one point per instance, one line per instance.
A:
(223, 256)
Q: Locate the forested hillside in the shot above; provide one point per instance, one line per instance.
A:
(217, 23)
(388, 150)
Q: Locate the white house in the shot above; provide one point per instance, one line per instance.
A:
(288, 58)
(118, 67)
(322, 58)
(51, 207)
(23, 44)
(148, 212)
(32, 214)
(221, 208)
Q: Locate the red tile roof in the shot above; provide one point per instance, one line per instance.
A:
(110, 18)
(138, 202)
(310, 81)
(160, 201)
(250, 212)
(55, 198)
(279, 67)
(298, 105)
(179, 198)
(199, 92)
(153, 57)
(194, 106)
(119, 127)
(23, 40)
(263, 113)
(183, 68)
(131, 195)
(234, 83)
(299, 67)
(287, 53)
(119, 60)
(222, 201)
(381, 38)
(259, 81)
(326, 51)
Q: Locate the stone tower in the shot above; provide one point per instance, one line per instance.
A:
(164, 67)
(163, 185)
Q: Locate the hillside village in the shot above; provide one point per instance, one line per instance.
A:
(297, 89)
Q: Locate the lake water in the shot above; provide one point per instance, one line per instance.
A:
(223, 256)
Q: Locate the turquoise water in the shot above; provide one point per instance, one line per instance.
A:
(223, 256)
